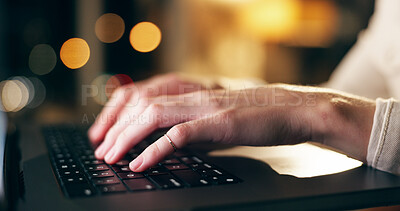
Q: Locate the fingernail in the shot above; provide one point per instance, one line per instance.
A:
(135, 164)
(110, 155)
(99, 153)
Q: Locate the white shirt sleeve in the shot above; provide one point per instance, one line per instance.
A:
(360, 71)
(384, 144)
(372, 69)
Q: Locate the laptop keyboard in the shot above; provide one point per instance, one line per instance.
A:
(80, 174)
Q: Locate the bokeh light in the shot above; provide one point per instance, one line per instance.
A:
(39, 92)
(75, 53)
(236, 56)
(42, 59)
(100, 83)
(116, 81)
(14, 95)
(145, 37)
(29, 86)
(270, 19)
(109, 28)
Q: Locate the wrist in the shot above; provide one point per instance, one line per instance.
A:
(343, 122)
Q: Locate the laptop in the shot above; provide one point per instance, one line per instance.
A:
(58, 172)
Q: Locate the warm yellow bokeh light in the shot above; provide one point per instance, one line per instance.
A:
(75, 53)
(109, 28)
(270, 19)
(235, 56)
(145, 37)
(14, 95)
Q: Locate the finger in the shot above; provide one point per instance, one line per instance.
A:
(154, 117)
(109, 114)
(161, 85)
(189, 132)
(128, 115)
(111, 111)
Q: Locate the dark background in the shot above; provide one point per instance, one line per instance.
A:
(25, 23)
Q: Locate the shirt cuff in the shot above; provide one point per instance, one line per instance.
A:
(384, 144)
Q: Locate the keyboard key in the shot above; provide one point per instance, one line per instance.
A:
(191, 178)
(64, 161)
(93, 162)
(106, 181)
(122, 163)
(156, 170)
(112, 188)
(191, 159)
(171, 161)
(223, 180)
(66, 166)
(166, 181)
(180, 153)
(201, 166)
(99, 174)
(119, 169)
(139, 184)
(77, 190)
(77, 179)
(97, 162)
(210, 172)
(88, 157)
(176, 167)
(99, 167)
(130, 175)
(70, 172)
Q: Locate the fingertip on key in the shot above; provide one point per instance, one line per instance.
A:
(136, 164)
(99, 153)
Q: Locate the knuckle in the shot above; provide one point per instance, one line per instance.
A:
(143, 102)
(179, 132)
(154, 150)
(156, 108)
(122, 136)
(118, 91)
(154, 114)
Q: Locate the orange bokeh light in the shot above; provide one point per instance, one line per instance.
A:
(75, 53)
(145, 37)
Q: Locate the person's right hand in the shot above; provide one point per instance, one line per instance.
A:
(117, 108)
(266, 115)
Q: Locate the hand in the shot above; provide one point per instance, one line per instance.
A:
(128, 96)
(270, 115)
